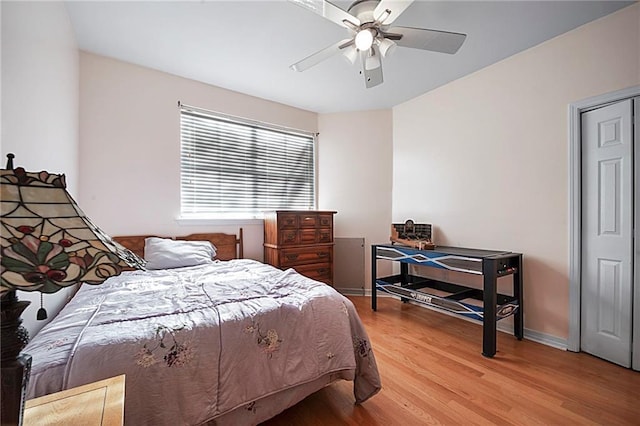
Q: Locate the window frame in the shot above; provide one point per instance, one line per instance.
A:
(246, 217)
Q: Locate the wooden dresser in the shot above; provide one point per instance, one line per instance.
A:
(302, 240)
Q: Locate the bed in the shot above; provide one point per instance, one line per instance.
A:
(229, 341)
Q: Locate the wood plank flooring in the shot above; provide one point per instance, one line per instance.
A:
(432, 372)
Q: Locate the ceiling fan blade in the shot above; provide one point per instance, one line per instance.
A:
(372, 67)
(320, 56)
(421, 38)
(329, 11)
(388, 10)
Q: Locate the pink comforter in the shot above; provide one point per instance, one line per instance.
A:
(207, 341)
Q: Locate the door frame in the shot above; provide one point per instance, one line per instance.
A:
(575, 211)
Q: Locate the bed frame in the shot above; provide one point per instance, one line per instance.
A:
(228, 246)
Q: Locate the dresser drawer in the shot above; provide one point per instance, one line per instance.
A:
(288, 221)
(324, 236)
(308, 220)
(325, 220)
(289, 237)
(317, 271)
(301, 256)
(298, 220)
(308, 236)
(292, 237)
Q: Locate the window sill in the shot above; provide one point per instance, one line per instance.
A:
(189, 221)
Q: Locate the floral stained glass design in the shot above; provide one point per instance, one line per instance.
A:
(47, 241)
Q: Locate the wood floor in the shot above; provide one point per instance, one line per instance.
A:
(432, 372)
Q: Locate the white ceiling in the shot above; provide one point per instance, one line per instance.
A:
(247, 46)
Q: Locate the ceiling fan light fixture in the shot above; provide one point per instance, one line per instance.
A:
(372, 62)
(351, 53)
(364, 39)
(386, 46)
(383, 16)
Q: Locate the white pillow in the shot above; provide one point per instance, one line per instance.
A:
(163, 253)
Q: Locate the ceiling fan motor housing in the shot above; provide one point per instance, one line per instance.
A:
(363, 10)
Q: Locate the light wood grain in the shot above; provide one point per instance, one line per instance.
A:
(99, 403)
(433, 373)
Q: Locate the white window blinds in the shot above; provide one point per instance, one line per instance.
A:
(229, 166)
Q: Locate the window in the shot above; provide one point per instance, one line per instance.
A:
(232, 167)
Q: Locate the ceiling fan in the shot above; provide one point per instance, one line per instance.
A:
(371, 36)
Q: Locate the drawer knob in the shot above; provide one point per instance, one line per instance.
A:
(323, 254)
(323, 270)
(291, 256)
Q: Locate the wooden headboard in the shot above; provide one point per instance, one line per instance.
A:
(228, 246)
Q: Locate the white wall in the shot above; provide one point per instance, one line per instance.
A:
(130, 151)
(40, 104)
(485, 158)
(355, 173)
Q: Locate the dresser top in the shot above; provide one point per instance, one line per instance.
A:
(302, 211)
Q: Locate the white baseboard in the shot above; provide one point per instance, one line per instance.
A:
(351, 291)
(536, 336)
(533, 335)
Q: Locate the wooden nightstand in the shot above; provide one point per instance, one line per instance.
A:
(98, 403)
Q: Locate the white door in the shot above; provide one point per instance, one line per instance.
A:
(635, 362)
(607, 232)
